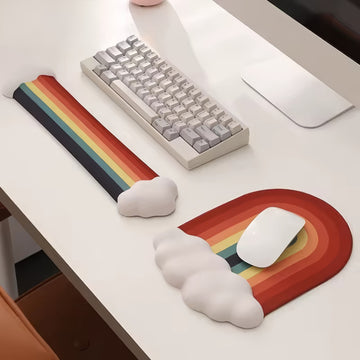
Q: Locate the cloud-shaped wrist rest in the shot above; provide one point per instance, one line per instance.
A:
(205, 280)
(147, 198)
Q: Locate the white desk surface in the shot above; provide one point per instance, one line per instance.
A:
(110, 258)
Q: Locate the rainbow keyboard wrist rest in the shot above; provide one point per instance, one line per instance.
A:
(109, 161)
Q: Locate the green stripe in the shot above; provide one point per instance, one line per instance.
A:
(237, 269)
(75, 137)
(231, 250)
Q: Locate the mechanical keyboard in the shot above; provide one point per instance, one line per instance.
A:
(188, 123)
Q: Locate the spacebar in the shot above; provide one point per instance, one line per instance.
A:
(144, 110)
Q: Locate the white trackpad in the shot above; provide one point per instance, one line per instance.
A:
(267, 236)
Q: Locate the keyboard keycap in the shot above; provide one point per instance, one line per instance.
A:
(194, 123)
(208, 135)
(195, 109)
(222, 132)
(201, 145)
(217, 113)
(149, 99)
(137, 45)
(142, 92)
(131, 53)
(103, 58)
(202, 99)
(164, 97)
(131, 40)
(114, 52)
(202, 116)
(123, 46)
(210, 123)
(161, 125)
(99, 69)
(171, 119)
(225, 119)
(144, 51)
(164, 112)
(123, 60)
(190, 136)
(136, 86)
(178, 110)
(145, 111)
(157, 105)
(115, 68)
(179, 125)
(186, 116)
(170, 134)
(234, 127)
(108, 76)
(210, 106)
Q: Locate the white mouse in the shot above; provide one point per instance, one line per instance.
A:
(268, 235)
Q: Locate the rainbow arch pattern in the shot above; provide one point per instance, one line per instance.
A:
(321, 249)
(109, 161)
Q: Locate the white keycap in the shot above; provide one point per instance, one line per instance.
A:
(201, 145)
(158, 62)
(164, 112)
(121, 74)
(144, 51)
(165, 69)
(150, 84)
(178, 110)
(131, 53)
(172, 90)
(188, 102)
(131, 39)
(164, 97)
(136, 72)
(208, 135)
(189, 135)
(172, 103)
(172, 74)
(138, 45)
(195, 109)
(157, 105)
(225, 119)
(161, 125)
(115, 68)
(138, 59)
(170, 134)
(145, 111)
(151, 56)
(157, 91)
(179, 81)
(186, 116)
(180, 96)
(193, 124)
(103, 58)
(202, 116)
(234, 127)
(114, 52)
(202, 99)
(143, 92)
(165, 84)
(194, 93)
(108, 76)
(210, 106)
(123, 60)
(210, 123)
(151, 71)
(143, 78)
(99, 69)
(123, 46)
(179, 125)
(149, 99)
(128, 80)
(187, 86)
(130, 66)
(135, 86)
(172, 119)
(144, 65)
(217, 113)
(158, 77)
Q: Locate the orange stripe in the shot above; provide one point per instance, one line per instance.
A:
(83, 127)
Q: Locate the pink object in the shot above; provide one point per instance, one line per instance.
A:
(146, 2)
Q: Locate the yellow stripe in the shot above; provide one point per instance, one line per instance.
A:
(118, 170)
(231, 240)
(291, 250)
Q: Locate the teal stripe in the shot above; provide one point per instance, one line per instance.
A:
(231, 250)
(76, 138)
(237, 269)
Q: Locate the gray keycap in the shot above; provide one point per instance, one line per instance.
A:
(222, 132)
(142, 93)
(128, 80)
(131, 53)
(157, 91)
(138, 45)
(195, 109)
(172, 90)
(165, 83)
(201, 145)
(216, 113)
(172, 74)
(172, 119)
(178, 110)
(151, 71)
(190, 136)
(122, 73)
(170, 134)
(225, 119)
(164, 97)
(144, 65)
(165, 68)
(208, 135)
(179, 125)
(132, 39)
(202, 116)
(157, 105)
(172, 103)
(202, 99)
(188, 102)
(136, 72)
(186, 116)
(123, 46)
(210, 106)
(151, 56)
(144, 51)
(99, 69)
(114, 52)
(143, 78)
(108, 76)
(180, 81)
(130, 66)
(164, 112)
(122, 60)
(103, 58)
(161, 125)
(149, 99)
(158, 62)
(138, 59)
(135, 86)
(180, 96)
(194, 93)
(186, 86)
(150, 84)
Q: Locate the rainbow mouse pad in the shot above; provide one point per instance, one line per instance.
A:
(319, 251)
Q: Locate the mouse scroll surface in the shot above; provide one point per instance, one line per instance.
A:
(268, 235)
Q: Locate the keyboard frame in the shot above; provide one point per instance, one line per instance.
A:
(178, 148)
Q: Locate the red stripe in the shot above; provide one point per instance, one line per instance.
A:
(138, 166)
